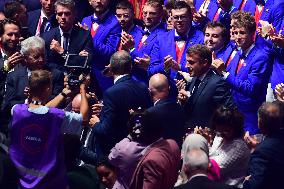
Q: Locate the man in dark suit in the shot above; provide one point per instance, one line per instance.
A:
(158, 168)
(67, 38)
(17, 79)
(170, 114)
(42, 20)
(207, 90)
(9, 56)
(111, 126)
(195, 167)
(266, 164)
(105, 31)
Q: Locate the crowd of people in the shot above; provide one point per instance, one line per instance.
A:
(151, 94)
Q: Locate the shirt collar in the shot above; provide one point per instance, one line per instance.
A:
(176, 34)
(156, 102)
(118, 77)
(248, 50)
(42, 15)
(61, 32)
(153, 28)
(3, 54)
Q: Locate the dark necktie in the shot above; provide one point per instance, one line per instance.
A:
(146, 32)
(43, 24)
(196, 85)
(65, 41)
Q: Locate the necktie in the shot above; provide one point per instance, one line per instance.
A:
(65, 41)
(196, 85)
(145, 32)
(43, 24)
(180, 38)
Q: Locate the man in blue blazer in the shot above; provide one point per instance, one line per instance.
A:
(213, 10)
(66, 38)
(140, 43)
(248, 73)
(266, 163)
(111, 125)
(42, 20)
(105, 30)
(169, 52)
(125, 16)
(216, 38)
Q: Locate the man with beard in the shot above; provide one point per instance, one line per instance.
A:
(105, 31)
(10, 55)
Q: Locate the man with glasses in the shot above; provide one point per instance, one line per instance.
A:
(67, 38)
(168, 54)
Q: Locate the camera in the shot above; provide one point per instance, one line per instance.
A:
(76, 65)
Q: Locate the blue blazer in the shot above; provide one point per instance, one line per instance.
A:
(33, 18)
(224, 17)
(105, 41)
(124, 95)
(166, 45)
(249, 85)
(147, 46)
(138, 73)
(225, 53)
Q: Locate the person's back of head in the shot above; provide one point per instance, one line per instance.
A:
(196, 161)
(159, 87)
(151, 128)
(17, 11)
(76, 103)
(120, 63)
(270, 117)
(40, 84)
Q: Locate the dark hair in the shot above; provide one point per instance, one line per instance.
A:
(12, 8)
(39, 80)
(225, 34)
(229, 117)
(121, 63)
(201, 50)
(70, 4)
(125, 4)
(181, 5)
(8, 21)
(246, 20)
(270, 115)
(104, 161)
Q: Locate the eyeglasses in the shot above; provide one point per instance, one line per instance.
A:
(180, 17)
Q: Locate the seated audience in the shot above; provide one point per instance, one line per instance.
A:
(229, 149)
(195, 166)
(158, 168)
(36, 147)
(196, 141)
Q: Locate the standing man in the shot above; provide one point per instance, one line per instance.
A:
(216, 38)
(141, 48)
(248, 73)
(10, 57)
(207, 90)
(67, 38)
(131, 33)
(169, 52)
(105, 31)
(111, 125)
(42, 20)
(170, 114)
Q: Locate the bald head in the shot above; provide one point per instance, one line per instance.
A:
(76, 103)
(159, 86)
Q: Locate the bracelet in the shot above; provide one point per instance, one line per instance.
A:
(63, 94)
